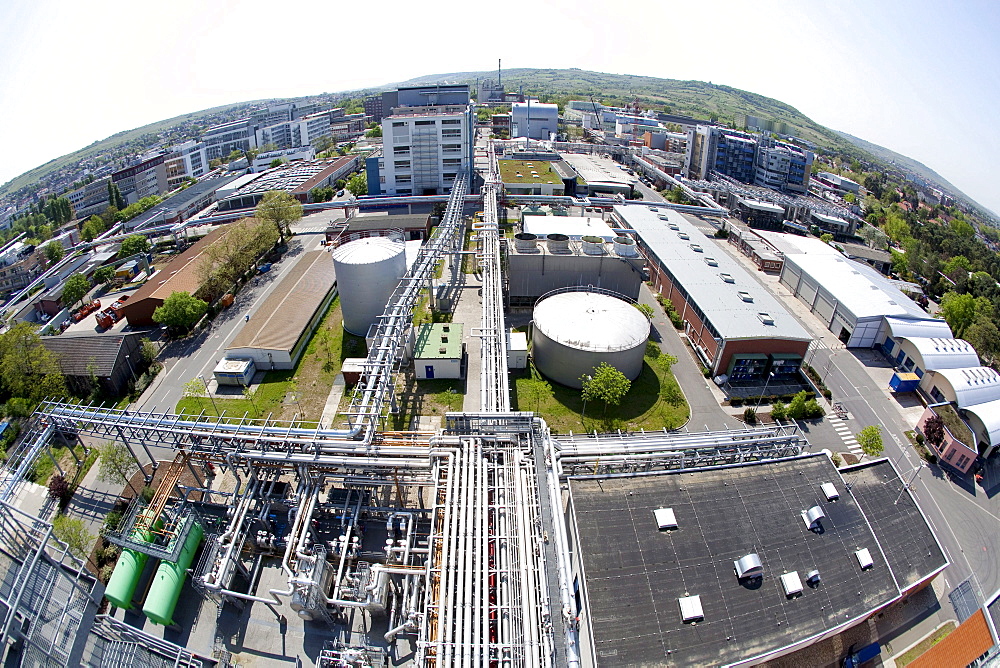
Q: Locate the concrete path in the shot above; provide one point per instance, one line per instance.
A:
(333, 401)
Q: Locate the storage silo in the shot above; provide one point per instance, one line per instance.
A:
(575, 330)
(368, 270)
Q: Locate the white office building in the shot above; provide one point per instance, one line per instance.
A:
(424, 149)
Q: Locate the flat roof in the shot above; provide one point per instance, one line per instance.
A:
(439, 340)
(909, 543)
(635, 573)
(285, 314)
(597, 169)
(762, 206)
(292, 177)
(175, 204)
(718, 298)
(861, 289)
(528, 171)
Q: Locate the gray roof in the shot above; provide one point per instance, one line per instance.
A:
(83, 353)
(173, 205)
(634, 572)
(906, 537)
(719, 300)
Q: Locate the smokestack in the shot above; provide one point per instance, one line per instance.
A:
(499, 82)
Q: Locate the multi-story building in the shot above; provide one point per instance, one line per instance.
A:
(373, 108)
(534, 120)
(142, 179)
(782, 166)
(20, 264)
(279, 113)
(188, 160)
(490, 92)
(90, 199)
(305, 131)
(221, 140)
(424, 149)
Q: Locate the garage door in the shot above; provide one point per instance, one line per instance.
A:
(825, 306)
(807, 290)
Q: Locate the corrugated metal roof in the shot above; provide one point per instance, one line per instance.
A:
(940, 353)
(928, 327)
(284, 315)
(714, 287)
(972, 385)
(989, 414)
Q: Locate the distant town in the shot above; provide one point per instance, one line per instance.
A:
(455, 375)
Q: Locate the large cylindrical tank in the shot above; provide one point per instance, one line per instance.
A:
(368, 270)
(161, 601)
(573, 332)
(125, 576)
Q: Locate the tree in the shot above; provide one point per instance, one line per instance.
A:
(778, 411)
(358, 185)
(233, 156)
(29, 372)
(72, 531)
(93, 228)
(797, 406)
(116, 464)
(75, 289)
(826, 238)
(645, 309)
(280, 209)
(277, 162)
(60, 489)
(961, 310)
(535, 389)
(984, 336)
(180, 310)
(870, 440)
(115, 198)
(54, 252)
(132, 245)
(104, 274)
(194, 388)
(374, 132)
(934, 430)
(607, 384)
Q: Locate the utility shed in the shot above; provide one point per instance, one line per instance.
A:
(111, 358)
(439, 351)
(631, 572)
(278, 332)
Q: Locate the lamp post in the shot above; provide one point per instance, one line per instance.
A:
(209, 393)
(761, 397)
(131, 368)
(583, 414)
(916, 471)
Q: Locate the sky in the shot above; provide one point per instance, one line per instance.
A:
(921, 78)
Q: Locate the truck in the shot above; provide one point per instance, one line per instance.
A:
(86, 310)
(112, 314)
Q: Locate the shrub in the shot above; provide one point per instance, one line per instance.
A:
(148, 493)
(778, 411)
(836, 459)
(112, 521)
(60, 489)
(109, 553)
(105, 573)
(750, 415)
(814, 410)
(676, 320)
(827, 394)
(735, 401)
(919, 438)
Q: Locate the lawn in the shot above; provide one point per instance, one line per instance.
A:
(653, 402)
(424, 397)
(302, 390)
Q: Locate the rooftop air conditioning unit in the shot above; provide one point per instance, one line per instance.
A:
(665, 518)
(830, 491)
(812, 517)
(748, 566)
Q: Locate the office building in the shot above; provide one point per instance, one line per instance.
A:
(91, 199)
(534, 120)
(373, 108)
(782, 166)
(714, 149)
(143, 179)
(187, 160)
(221, 140)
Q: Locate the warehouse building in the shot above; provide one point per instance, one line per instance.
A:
(737, 565)
(297, 179)
(276, 336)
(852, 298)
(179, 275)
(734, 324)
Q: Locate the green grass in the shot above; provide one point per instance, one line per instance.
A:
(911, 655)
(425, 397)
(44, 468)
(509, 170)
(646, 406)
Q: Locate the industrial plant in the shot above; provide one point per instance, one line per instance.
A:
(491, 541)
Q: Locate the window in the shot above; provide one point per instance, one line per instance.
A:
(962, 461)
(401, 164)
(425, 122)
(451, 162)
(451, 121)
(404, 179)
(451, 148)
(401, 149)
(398, 124)
(451, 133)
(404, 191)
(449, 176)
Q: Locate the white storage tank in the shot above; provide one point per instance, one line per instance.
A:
(368, 270)
(575, 330)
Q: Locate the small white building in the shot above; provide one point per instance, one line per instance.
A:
(517, 350)
(439, 351)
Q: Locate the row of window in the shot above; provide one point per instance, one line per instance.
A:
(445, 121)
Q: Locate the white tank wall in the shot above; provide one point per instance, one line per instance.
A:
(368, 270)
(616, 333)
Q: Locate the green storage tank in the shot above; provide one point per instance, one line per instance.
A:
(169, 579)
(125, 577)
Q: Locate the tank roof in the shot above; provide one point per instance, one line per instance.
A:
(591, 321)
(367, 251)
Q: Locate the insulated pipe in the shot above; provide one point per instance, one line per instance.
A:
(562, 550)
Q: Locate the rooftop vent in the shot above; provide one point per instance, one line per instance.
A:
(812, 517)
(665, 518)
(830, 491)
(442, 350)
(712, 262)
(653, 208)
(728, 278)
(766, 318)
(864, 558)
(684, 235)
(691, 608)
(663, 217)
(749, 566)
(791, 583)
(674, 226)
(745, 296)
(697, 249)
(812, 577)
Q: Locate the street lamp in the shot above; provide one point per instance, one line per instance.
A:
(916, 471)
(761, 397)
(583, 414)
(130, 368)
(209, 393)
